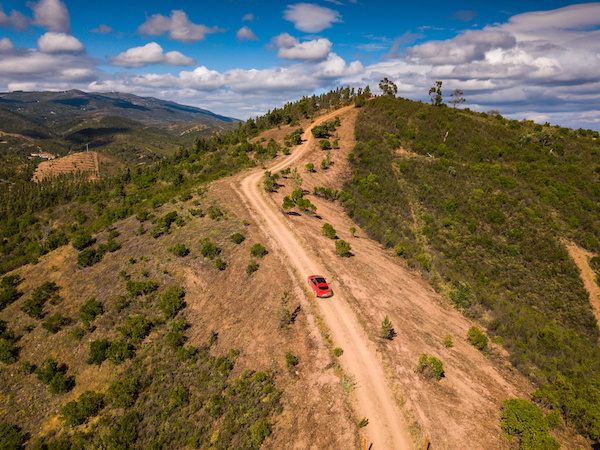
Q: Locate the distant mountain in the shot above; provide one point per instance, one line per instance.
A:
(56, 107)
(122, 125)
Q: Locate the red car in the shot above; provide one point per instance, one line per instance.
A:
(320, 286)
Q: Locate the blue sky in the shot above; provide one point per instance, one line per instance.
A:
(527, 59)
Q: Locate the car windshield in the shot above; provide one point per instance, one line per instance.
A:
(320, 280)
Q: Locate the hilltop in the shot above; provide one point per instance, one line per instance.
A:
(207, 335)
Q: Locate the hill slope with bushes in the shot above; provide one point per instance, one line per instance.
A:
(481, 206)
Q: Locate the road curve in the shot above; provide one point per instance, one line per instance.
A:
(374, 398)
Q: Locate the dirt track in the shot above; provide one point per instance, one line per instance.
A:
(375, 401)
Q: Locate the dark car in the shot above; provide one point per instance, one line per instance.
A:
(319, 286)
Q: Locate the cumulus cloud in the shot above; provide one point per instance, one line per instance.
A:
(178, 26)
(311, 18)
(151, 53)
(6, 45)
(202, 79)
(291, 48)
(246, 34)
(14, 20)
(52, 42)
(52, 14)
(336, 67)
(466, 47)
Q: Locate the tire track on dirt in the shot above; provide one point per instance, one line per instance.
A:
(373, 397)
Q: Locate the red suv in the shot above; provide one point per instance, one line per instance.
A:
(320, 286)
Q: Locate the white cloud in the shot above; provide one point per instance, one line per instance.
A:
(202, 79)
(151, 53)
(52, 42)
(311, 18)
(291, 48)
(6, 45)
(246, 34)
(336, 67)
(15, 20)
(52, 14)
(248, 18)
(178, 26)
(469, 46)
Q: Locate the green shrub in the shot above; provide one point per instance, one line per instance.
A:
(525, 420)
(179, 250)
(258, 250)
(137, 288)
(209, 249)
(237, 238)
(342, 248)
(9, 353)
(78, 412)
(172, 301)
(82, 239)
(98, 350)
(477, 338)
(136, 328)
(88, 257)
(430, 366)
(291, 361)
(91, 309)
(55, 377)
(387, 329)
(329, 231)
(124, 392)
(214, 212)
(337, 352)
(324, 144)
(56, 322)
(175, 339)
(11, 437)
(220, 264)
(259, 431)
(252, 267)
(119, 351)
(34, 305)
(120, 303)
(448, 341)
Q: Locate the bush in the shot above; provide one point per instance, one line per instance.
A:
(91, 309)
(34, 305)
(208, 249)
(387, 329)
(179, 250)
(237, 238)
(329, 231)
(525, 420)
(171, 301)
(78, 412)
(137, 288)
(448, 341)
(136, 328)
(477, 338)
(56, 322)
(343, 248)
(124, 392)
(11, 437)
(252, 267)
(119, 351)
(88, 257)
(55, 377)
(9, 353)
(82, 239)
(291, 361)
(325, 144)
(98, 349)
(220, 264)
(430, 366)
(258, 250)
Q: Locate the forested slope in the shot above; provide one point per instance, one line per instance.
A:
(480, 204)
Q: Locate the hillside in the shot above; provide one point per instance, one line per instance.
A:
(169, 324)
(130, 129)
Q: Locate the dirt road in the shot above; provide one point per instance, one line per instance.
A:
(374, 398)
